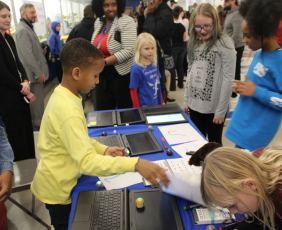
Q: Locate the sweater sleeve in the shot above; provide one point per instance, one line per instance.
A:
(7, 155)
(128, 39)
(52, 44)
(228, 65)
(271, 98)
(75, 139)
(134, 98)
(24, 45)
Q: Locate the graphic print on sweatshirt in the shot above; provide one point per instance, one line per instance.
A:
(201, 75)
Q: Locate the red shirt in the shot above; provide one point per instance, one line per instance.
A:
(279, 34)
(100, 42)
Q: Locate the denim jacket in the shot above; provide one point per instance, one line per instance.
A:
(6, 152)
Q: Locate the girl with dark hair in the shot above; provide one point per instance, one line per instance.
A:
(211, 69)
(114, 35)
(260, 103)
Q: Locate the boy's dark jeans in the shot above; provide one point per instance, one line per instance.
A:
(59, 215)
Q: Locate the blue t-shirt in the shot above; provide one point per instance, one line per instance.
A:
(256, 119)
(147, 82)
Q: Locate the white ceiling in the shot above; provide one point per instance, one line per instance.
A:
(83, 1)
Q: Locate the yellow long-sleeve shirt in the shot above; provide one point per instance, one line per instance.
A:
(66, 151)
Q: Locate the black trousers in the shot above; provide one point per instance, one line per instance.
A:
(239, 55)
(178, 54)
(112, 92)
(59, 215)
(204, 123)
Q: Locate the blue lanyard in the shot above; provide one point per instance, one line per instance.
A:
(105, 31)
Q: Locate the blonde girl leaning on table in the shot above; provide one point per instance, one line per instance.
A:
(245, 183)
(211, 69)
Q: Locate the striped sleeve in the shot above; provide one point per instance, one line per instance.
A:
(128, 37)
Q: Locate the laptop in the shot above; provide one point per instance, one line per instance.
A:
(131, 116)
(116, 210)
(101, 119)
(164, 114)
(137, 143)
(110, 118)
(161, 109)
(114, 140)
(162, 119)
(141, 143)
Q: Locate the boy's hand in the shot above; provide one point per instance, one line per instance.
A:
(152, 172)
(245, 88)
(114, 151)
(6, 180)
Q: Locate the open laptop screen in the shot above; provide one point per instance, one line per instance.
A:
(165, 118)
(130, 116)
(142, 143)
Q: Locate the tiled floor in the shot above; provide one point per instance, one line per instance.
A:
(18, 220)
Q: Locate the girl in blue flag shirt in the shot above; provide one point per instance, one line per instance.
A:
(258, 114)
(145, 75)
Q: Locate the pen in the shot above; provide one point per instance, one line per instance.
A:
(164, 143)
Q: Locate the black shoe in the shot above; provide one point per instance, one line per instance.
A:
(180, 86)
(170, 99)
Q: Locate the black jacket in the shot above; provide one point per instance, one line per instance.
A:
(83, 30)
(160, 25)
(10, 81)
(14, 110)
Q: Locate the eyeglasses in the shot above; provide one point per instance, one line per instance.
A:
(206, 27)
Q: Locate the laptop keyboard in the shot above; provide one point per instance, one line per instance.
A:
(114, 140)
(107, 213)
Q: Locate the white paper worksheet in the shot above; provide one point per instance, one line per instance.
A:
(181, 149)
(179, 133)
(121, 181)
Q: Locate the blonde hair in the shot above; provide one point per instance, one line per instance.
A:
(226, 168)
(141, 39)
(207, 10)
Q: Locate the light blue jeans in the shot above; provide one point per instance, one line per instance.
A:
(6, 152)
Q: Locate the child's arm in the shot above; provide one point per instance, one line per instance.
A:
(269, 98)
(76, 141)
(134, 98)
(135, 76)
(100, 148)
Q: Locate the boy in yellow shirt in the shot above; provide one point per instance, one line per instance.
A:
(66, 151)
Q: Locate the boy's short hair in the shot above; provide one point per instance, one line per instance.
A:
(79, 53)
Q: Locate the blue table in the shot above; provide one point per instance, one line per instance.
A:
(88, 183)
